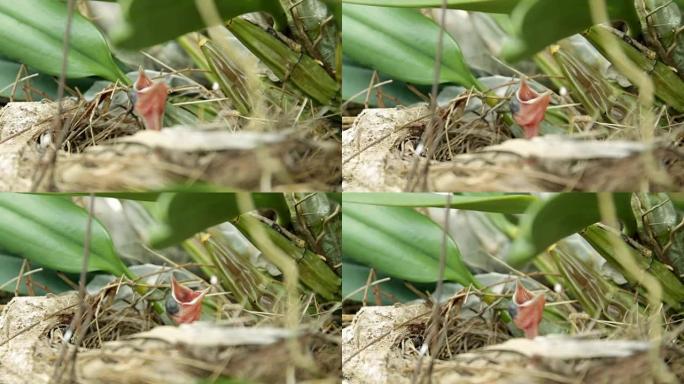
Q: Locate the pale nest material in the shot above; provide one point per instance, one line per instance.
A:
(372, 161)
(20, 126)
(156, 160)
(28, 347)
(32, 330)
(371, 355)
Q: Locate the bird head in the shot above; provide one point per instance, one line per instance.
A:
(526, 310)
(184, 305)
(150, 100)
(529, 107)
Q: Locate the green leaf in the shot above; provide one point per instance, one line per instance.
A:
(486, 203)
(492, 6)
(150, 22)
(559, 216)
(402, 43)
(33, 33)
(539, 23)
(181, 215)
(43, 282)
(399, 242)
(51, 231)
(298, 68)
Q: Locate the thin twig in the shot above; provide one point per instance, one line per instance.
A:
(77, 320)
(435, 122)
(58, 131)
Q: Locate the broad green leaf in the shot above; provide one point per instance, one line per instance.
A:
(548, 221)
(539, 23)
(182, 215)
(51, 231)
(402, 43)
(294, 67)
(33, 33)
(487, 203)
(399, 242)
(491, 6)
(150, 22)
(43, 282)
(355, 88)
(355, 276)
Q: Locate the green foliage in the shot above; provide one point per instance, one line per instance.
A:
(33, 33)
(182, 215)
(41, 283)
(538, 23)
(357, 79)
(313, 272)
(148, 22)
(51, 231)
(668, 86)
(297, 68)
(486, 203)
(601, 239)
(493, 6)
(381, 39)
(559, 216)
(399, 242)
(391, 292)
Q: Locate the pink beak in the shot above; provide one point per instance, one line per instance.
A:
(530, 108)
(189, 303)
(151, 101)
(528, 310)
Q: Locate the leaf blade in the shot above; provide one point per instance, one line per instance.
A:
(147, 23)
(61, 227)
(399, 242)
(511, 204)
(376, 37)
(33, 31)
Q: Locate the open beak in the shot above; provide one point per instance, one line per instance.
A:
(529, 108)
(151, 100)
(185, 304)
(527, 310)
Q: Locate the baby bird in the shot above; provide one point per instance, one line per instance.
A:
(150, 100)
(528, 108)
(526, 310)
(184, 306)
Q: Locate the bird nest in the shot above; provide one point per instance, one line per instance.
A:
(104, 150)
(385, 150)
(125, 343)
(392, 344)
